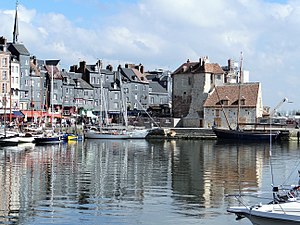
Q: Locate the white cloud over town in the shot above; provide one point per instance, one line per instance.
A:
(165, 33)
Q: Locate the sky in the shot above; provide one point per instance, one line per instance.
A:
(163, 34)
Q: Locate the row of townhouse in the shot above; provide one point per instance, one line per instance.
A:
(32, 85)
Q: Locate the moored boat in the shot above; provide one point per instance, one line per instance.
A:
(250, 135)
(9, 140)
(48, 138)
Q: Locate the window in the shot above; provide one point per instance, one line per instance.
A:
(4, 62)
(55, 86)
(54, 97)
(152, 100)
(67, 90)
(136, 96)
(135, 87)
(4, 86)
(93, 80)
(217, 112)
(4, 75)
(116, 105)
(86, 93)
(116, 96)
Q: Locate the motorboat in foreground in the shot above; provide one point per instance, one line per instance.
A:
(282, 211)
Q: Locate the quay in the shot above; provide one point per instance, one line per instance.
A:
(286, 134)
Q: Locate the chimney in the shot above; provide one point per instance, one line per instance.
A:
(230, 62)
(142, 69)
(109, 67)
(3, 44)
(73, 68)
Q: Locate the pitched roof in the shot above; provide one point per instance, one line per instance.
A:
(20, 48)
(199, 67)
(82, 84)
(134, 75)
(230, 92)
(156, 87)
(56, 72)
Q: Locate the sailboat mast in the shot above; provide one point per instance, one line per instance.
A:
(239, 94)
(99, 64)
(52, 88)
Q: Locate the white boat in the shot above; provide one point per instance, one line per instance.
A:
(9, 140)
(283, 209)
(287, 213)
(108, 131)
(94, 133)
(28, 137)
(138, 133)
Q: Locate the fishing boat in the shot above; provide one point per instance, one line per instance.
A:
(237, 133)
(250, 135)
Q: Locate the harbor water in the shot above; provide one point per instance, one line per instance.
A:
(138, 181)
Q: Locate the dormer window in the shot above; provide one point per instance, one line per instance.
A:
(224, 102)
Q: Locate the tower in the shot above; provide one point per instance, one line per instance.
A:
(16, 26)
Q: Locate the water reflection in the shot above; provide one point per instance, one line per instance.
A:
(130, 182)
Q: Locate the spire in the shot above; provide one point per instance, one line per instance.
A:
(16, 27)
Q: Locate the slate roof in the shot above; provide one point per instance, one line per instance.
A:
(134, 75)
(156, 87)
(20, 48)
(248, 91)
(82, 84)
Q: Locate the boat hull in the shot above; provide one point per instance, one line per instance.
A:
(47, 140)
(245, 135)
(138, 134)
(272, 214)
(9, 141)
(101, 135)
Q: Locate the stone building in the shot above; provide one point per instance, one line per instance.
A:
(227, 101)
(192, 82)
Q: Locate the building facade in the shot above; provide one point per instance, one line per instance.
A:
(232, 104)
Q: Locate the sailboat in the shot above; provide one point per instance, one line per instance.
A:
(8, 138)
(237, 133)
(108, 131)
(49, 137)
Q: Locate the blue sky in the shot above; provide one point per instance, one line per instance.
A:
(165, 33)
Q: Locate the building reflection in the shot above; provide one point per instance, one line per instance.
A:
(104, 175)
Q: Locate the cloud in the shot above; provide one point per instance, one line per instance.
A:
(165, 33)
